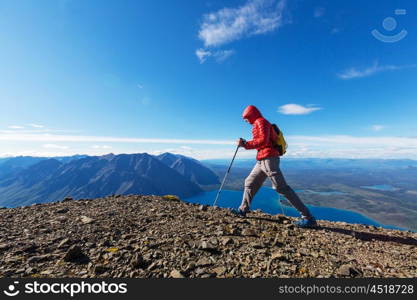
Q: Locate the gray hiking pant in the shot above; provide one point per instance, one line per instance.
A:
(269, 167)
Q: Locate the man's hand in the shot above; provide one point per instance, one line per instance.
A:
(241, 142)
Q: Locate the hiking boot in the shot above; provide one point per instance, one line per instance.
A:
(306, 223)
(239, 213)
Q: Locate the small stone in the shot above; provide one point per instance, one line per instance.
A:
(289, 226)
(213, 241)
(64, 243)
(100, 269)
(204, 245)
(86, 220)
(152, 266)
(204, 261)
(38, 258)
(277, 255)
(73, 253)
(66, 199)
(203, 207)
(176, 274)
(30, 248)
(257, 245)
(62, 211)
(30, 271)
(200, 271)
(191, 266)
(234, 231)
(47, 272)
(344, 270)
(4, 247)
(138, 261)
(61, 219)
(249, 232)
(225, 241)
(314, 254)
(292, 268)
(348, 270)
(219, 270)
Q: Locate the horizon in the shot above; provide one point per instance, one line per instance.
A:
(155, 77)
(226, 159)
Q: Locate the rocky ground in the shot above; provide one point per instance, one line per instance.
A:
(150, 236)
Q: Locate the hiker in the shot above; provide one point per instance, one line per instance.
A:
(267, 165)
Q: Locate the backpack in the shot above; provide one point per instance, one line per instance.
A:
(279, 141)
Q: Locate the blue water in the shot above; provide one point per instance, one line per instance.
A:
(382, 187)
(267, 200)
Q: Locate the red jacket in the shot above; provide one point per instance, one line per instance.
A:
(262, 132)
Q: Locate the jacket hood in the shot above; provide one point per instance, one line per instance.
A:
(251, 113)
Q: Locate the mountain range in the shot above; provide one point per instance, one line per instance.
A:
(13, 165)
(28, 180)
(190, 168)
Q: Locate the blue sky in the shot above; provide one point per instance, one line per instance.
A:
(94, 77)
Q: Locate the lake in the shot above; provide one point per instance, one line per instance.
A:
(267, 200)
(381, 187)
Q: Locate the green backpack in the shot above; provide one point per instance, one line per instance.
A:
(279, 141)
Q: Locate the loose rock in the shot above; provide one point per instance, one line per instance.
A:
(154, 237)
(176, 274)
(73, 253)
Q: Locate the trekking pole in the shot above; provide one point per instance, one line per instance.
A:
(224, 179)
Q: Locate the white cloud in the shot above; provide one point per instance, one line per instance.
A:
(226, 25)
(36, 126)
(344, 146)
(319, 12)
(331, 146)
(202, 54)
(360, 141)
(336, 146)
(186, 148)
(16, 137)
(296, 109)
(101, 147)
(140, 86)
(35, 153)
(25, 131)
(230, 24)
(369, 71)
(53, 146)
(15, 127)
(378, 127)
(220, 55)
